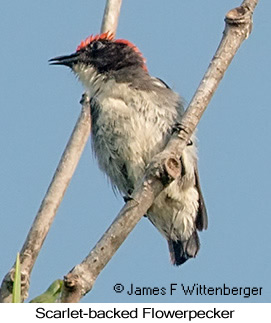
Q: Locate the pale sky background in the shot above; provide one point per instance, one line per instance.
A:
(39, 108)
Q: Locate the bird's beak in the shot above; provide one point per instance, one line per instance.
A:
(69, 60)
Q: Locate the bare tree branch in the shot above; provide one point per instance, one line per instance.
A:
(59, 183)
(111, 16)
(49, 205)
(238, 27)
(165, 167)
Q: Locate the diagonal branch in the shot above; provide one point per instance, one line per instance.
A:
(165, 166)
(49, 206)
(59, 183)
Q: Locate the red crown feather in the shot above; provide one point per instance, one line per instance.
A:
(110, 36)
(105, 36)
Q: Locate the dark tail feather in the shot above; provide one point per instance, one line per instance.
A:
(180, 251)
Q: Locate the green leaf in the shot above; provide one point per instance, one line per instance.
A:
(51, 294)
(16, 291)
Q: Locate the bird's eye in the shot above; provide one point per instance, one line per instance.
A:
(97, 45)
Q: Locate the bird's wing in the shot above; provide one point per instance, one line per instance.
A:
(202, 219)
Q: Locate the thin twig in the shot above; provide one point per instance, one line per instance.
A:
(111, 16)
(49, 205)
(59, 183)
(165, 167)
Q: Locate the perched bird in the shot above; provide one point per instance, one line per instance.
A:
(133, 116)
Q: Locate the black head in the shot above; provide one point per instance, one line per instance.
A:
(104, 54)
